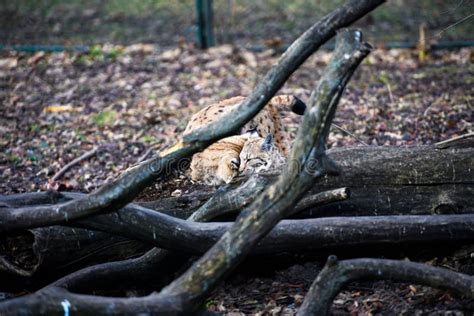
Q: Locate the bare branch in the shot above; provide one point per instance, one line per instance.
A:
(336, 274)
(307, 161)
(294, 56)
(122, 191)
(455, 141)
(79, 159)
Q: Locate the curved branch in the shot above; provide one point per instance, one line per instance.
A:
(294, 235)
(294, 56)
(336, 274)
(109, 197)
(229, 199)
(114, 195)
(291, 235)
(106, 275)
(255, 221)
(307, 161)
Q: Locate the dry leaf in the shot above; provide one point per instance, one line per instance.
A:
(8, 63)
(61, 108)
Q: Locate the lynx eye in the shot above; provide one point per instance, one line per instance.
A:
(257, 162)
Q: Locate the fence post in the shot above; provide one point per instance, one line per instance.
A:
(205, 23)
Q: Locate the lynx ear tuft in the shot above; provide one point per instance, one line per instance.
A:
(267, 143)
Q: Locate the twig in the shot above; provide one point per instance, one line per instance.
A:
(145, 155)
(321, 198)
(389, 88)
(350, 134)
(454, 24)
(79, 159)
(336, 274)
(448, 142)
(453, 9)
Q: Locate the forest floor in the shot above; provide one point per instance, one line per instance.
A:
(131, 102)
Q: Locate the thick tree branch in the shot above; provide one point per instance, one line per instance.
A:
(148, 269)
(109, 197)
(294, 56)
(336, 274)
(306, 162)
(122, 191)
(302, 235)
(56, 250)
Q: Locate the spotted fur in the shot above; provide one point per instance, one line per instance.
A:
(261, 139)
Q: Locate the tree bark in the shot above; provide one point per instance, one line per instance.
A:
(436, 181)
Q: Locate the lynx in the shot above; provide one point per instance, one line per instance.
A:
(259, 145)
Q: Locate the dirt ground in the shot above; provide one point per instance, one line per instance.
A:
(131, 102)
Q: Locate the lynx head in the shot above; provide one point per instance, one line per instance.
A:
(260, 154)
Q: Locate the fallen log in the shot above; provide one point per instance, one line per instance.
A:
(408, 180)
(58, 250)
(291, 236)
(440, 181)
(412, 179)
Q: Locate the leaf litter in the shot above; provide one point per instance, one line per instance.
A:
(136, 100)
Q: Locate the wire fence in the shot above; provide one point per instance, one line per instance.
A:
(255, 23)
